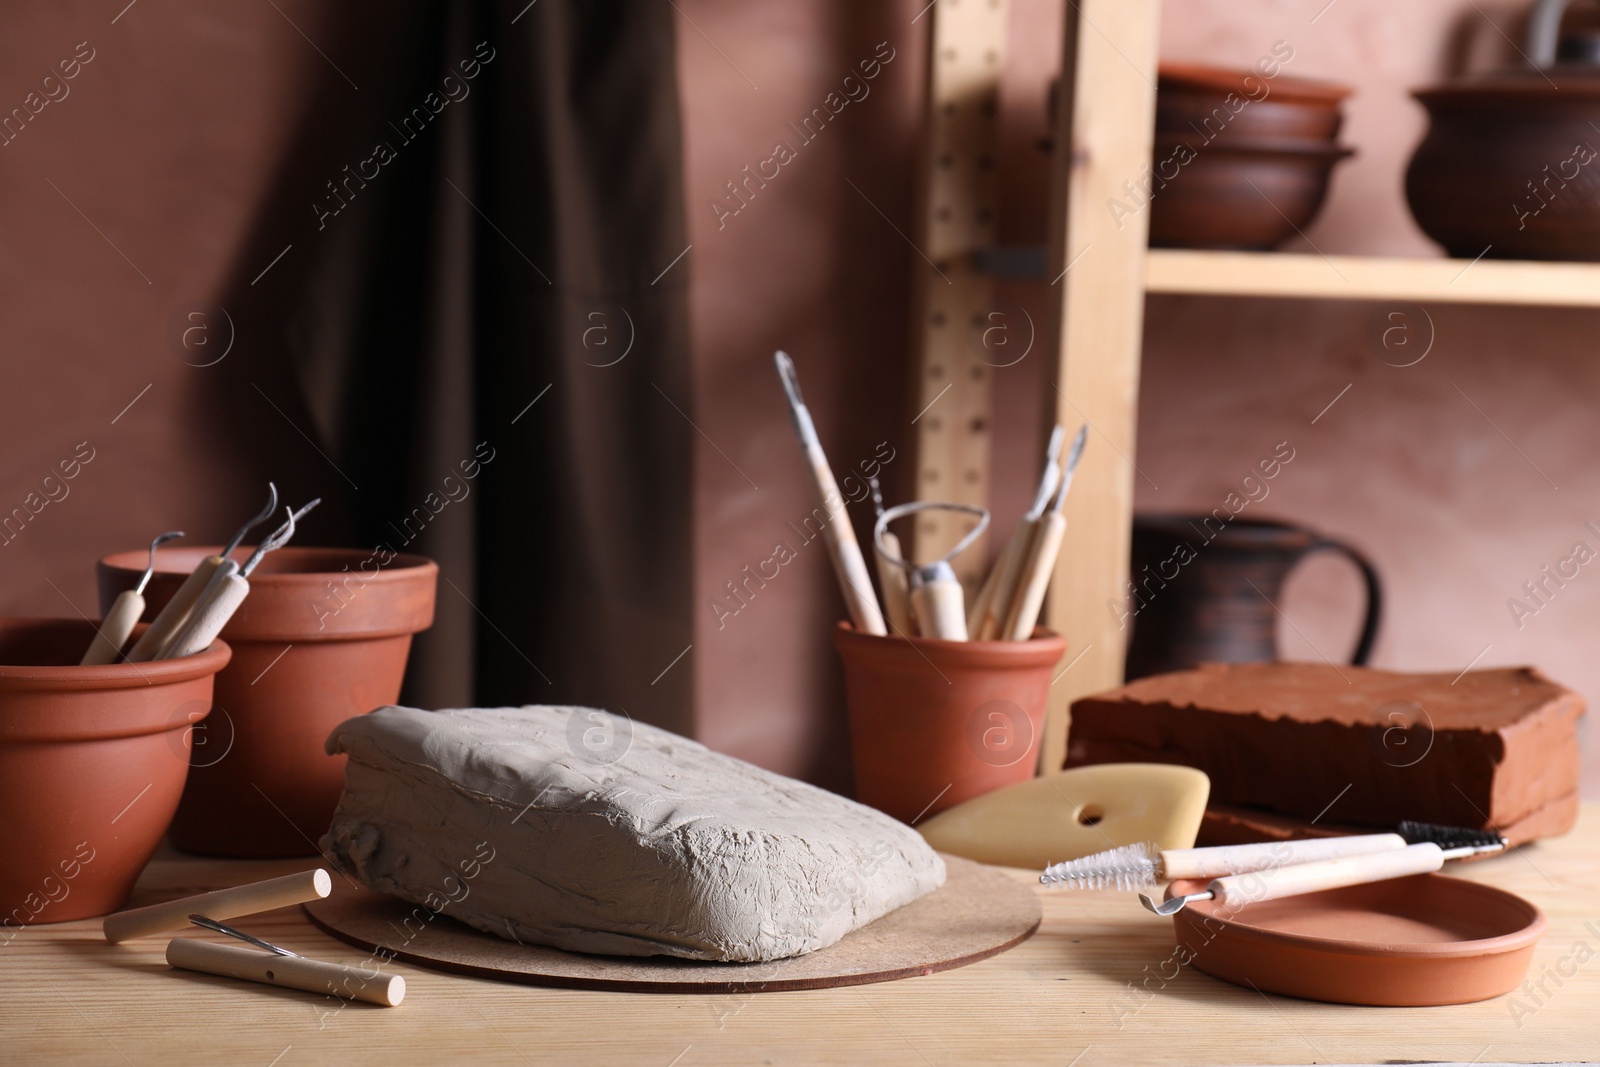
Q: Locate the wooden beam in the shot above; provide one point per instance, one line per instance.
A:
(1104, 119)
(1279, 274)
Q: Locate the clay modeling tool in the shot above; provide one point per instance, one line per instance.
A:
(1237, 890)
(222, 904)
(1033, 578)
(854, 581)
(226, 591)
(234, 932)
(936, 596)
(279, 967)
(892, 578)
(1144, 865)
(119, 622)
(982, 620)
(152, 644)
(1073, 812)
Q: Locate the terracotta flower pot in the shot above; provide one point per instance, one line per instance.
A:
(92, 762)
(933, 723)
(323, 636)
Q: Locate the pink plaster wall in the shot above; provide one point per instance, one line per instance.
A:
(1456, 515)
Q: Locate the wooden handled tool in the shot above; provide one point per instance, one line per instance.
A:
(157, 638)
(1237, 890)
(119, 622)
(221, 904)
(1223, 860)
(990, 606)
(1039, 564)
(292, 972)
(936, 594)
(840, 537)
(892, 577)
(226, 590)
(936, 601)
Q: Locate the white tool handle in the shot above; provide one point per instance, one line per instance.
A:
(154, 641)
(294, 972)
(1240, 859)
(217, 605)
(1034, 578)
(114, 630)
(1240, 889)
(248, 899)
(1004, 576)
(896, 589)
(936, 598)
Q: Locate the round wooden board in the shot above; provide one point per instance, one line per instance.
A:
(976, 914)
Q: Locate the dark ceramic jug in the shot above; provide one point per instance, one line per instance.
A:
(1204, 592)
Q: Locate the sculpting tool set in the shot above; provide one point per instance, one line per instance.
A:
(200, 608)
(926, 599)
(1242, 874)
(272, 964)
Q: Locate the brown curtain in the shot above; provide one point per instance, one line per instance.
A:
(475, 328)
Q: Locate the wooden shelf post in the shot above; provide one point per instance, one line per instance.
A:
(1104, 121)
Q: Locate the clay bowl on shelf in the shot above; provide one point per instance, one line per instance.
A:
(323, 636)
(1241, 196)
(1407, 942)
(1193, 99)
(92, 763)
(1510, 166)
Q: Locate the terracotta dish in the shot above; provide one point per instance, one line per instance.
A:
(323, 636)
(1408, 942)
(92, 762)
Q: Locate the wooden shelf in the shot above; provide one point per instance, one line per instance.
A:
(1458, 281)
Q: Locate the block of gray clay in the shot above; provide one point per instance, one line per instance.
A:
(584, 831)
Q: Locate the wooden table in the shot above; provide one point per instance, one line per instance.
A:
(1063, 997)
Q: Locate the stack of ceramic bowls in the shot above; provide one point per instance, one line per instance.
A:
(1241, 159)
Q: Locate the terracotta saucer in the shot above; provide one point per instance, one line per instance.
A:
(1409, 942)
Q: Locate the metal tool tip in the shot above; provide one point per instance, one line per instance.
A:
(786, 374)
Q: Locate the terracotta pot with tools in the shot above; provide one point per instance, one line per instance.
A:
(1510, 166)
(1241, 160)
(933, 722)
(322, 636)
(1206, 592)
(92, 762)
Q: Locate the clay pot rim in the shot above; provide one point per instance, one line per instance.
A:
(1201, 79)
(73, 678)
(1045, 646)
(1512, 941)
(401, 568)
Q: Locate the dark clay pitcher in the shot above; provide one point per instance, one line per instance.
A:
(1204, 591)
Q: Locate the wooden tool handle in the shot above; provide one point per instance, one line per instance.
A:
(896, 589)
(1004, 577)
(937, 603)
(1240, 889)
(114, 629)
(1222, 860)
(152, 644)
(840, 537)
(1034, 578)
(221, 904)
(294, 972)
(217, 604)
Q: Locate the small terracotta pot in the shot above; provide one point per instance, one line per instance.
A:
(92, 762)
(323, 636)
(933, 723)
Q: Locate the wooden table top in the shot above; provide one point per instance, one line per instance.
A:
(1062, 998)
